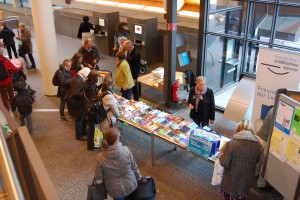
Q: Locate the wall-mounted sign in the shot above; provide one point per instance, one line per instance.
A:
(138, 29)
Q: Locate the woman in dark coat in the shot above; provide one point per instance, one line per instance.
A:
(85, 26)
(239, 159)
(77, 64)
(76, 102)
(8, 39)
(90, 91)
(202, 103)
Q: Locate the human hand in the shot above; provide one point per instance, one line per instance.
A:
(191, 106)
(212, 121)
(94, 61)
(81, 66)
(90, 66)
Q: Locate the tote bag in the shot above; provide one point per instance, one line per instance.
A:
(218, 173)
(97, 191)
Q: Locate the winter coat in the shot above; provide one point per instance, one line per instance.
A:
(123, 77)
(83, 28)
(76, 98)
(110, 105)
(9, 68)
(64, 79)
(84, 51)
(267, 125)
(25, 38)
(8, 36)
(134, 61)
(23, 101)
(206, 107)
(116, 165)
(241, 154)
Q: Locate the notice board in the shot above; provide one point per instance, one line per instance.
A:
(283, 161)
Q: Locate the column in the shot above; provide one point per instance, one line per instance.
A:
(44, 29)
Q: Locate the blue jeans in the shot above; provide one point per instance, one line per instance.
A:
(28, 120)
(127, 93)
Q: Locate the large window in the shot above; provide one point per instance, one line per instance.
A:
(25, 3)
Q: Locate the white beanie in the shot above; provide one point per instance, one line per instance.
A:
(85, 72)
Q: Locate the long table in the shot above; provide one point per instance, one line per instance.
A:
(154, 134)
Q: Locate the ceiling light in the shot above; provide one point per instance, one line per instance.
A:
(129, 5)
(110, 3)
(86, 1)
(155, 9)
(189, 14)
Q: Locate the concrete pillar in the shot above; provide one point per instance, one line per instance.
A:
(43, 21)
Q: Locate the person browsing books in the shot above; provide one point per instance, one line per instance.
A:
(202, 103)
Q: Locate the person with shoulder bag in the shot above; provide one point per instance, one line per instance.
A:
(109, 104)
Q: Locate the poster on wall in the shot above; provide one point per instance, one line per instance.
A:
(275, 69)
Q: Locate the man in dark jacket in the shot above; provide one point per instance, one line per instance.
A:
(134, 60)
(64, 79)
(76, 101)
(6, 84)
(8, 39)
(85, 26)
(202, 103)
(90, 54)
(23, 101)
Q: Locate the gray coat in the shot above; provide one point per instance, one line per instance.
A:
(241, 154)
(116, 165)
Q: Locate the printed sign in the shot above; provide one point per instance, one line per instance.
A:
(284, 116)
(138, 29)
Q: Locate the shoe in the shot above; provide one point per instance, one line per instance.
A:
(63, 119)
(33, 67)
(82, 138)
(97, 149)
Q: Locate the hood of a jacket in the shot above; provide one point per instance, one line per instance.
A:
(246, 135)
(113, 152)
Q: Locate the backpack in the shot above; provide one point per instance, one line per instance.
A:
(95, 108)
(3, 73)
(55, 80)
(190, 79)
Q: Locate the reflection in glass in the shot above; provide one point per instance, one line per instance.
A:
(230, 21)
(8, 1)
(222, 65)
(287, 28)
(291, 1)
(261, 22)
(251, 57)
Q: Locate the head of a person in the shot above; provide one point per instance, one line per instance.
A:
(4, 26)
(107, 83)
(22, 26)
(122, 40)
(93, 76)
(88, 43)
(86, 18)
(244, 125)
(120, 27)
(120, 56)
(84, 72)
(111, 137)
(201, 83)
(67, 64)
(127, 45)
(77, 58)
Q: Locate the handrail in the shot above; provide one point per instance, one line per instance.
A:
(11, 181)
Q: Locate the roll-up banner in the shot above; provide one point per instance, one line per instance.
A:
(275, 69)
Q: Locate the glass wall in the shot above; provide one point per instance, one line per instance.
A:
(25, 3)
(237, 29)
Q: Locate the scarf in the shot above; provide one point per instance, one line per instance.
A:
(245, 135)
(200, 96)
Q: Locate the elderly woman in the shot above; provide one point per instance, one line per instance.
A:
(76, 102)
(202, 103)
(123, 75)
(239, 159)
(116, 166)
(26, 47)
(110, 105)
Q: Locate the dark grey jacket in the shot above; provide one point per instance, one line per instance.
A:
(241, 154)
(116, 165)
(76, 98)
(64, 79)
(8, 36)
(84, 52)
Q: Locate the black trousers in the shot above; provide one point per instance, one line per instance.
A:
(135, 91)
(9, 48)
(200, 121)
(90, 136)
(80, 126)
(31, 60)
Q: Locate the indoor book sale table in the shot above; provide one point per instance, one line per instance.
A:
(177, 131)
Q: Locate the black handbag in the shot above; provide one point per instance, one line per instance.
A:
(97, 191)
(146, 189)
